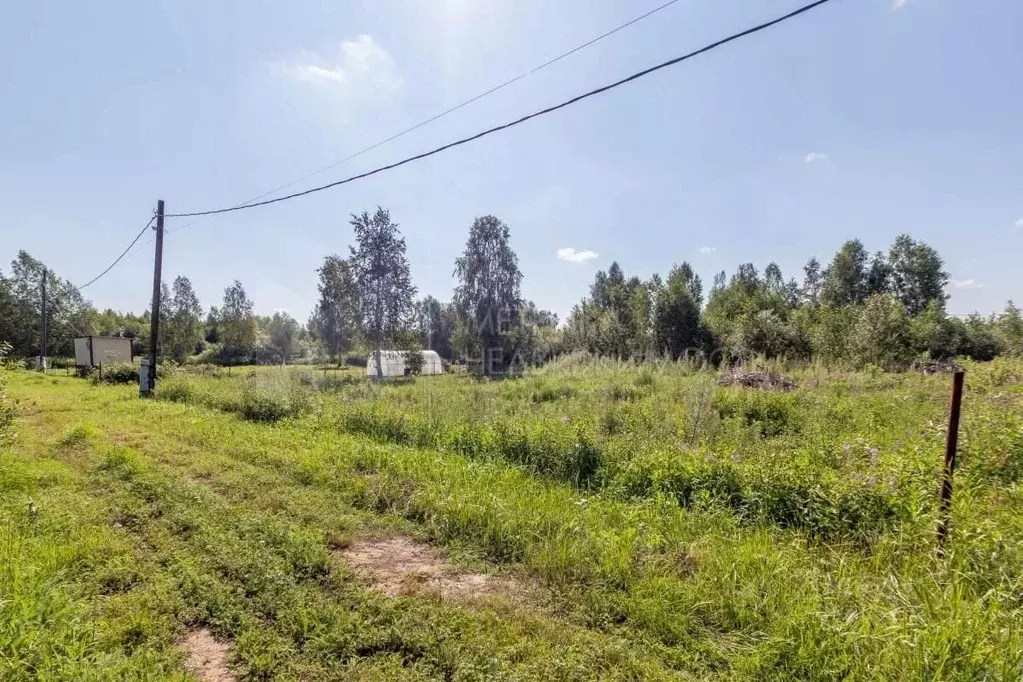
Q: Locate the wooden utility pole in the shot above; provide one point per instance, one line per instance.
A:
(43, 330)
(154, 316)
(949, 464)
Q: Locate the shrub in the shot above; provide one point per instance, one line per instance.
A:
(78, 435)
(176, 390)
(7, 408)
(120, 373)
(771, 413)
(882, 334)
(272, 398)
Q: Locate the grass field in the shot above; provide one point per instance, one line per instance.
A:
(633, 523)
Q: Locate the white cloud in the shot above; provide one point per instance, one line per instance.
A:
(967, 284)
(899, 4)
(361, 71)
(813, 157)
(706, 249)
(572, 256)
(1019, 223)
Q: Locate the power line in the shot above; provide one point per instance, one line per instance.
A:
(123, 254)
(516, 122)
(466, 102)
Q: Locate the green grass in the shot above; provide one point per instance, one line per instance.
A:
(667, 528)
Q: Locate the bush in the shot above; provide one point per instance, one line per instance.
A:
(7, 408)
(177, 391)
(272, 398)
(120, 373)
(770, 413)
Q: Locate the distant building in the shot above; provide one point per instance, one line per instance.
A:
(392, 362)
(93, 351)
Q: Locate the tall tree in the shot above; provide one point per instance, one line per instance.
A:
(68, 313)
(435, 322)
(1009, 330)
(336, 319)
(236, 323)
(213, 325)
(773, 278)
(677, 325)
(845, 280)
(282, 332)
(487, 295)
(917, 274)
(183, 330)
(381, 271)
(813, 279)
(879, 277)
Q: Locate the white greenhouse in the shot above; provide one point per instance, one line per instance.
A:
(392, 362)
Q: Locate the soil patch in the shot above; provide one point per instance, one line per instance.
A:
(207, 656)
(400, 565)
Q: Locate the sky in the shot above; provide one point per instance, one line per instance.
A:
(861, 119)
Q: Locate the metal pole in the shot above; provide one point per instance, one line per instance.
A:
(154, 316)
(949, 464)
(43, 330)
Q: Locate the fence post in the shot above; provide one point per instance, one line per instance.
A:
(949, 463)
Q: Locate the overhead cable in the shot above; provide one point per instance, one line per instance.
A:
(523, 119)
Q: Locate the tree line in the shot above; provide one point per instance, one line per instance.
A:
(885, 309)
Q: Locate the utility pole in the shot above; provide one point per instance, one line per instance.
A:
(43, 330)
(154, 319)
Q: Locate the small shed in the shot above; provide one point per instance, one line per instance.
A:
(392, 362)
(92, 351)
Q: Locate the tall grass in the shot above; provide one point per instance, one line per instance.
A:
(721, 533)
(849, 455)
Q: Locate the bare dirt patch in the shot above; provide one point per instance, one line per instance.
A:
(400, 565)
(207, 656)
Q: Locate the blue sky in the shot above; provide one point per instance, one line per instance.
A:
(863, 118)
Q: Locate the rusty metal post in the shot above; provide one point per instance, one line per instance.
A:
(949, 464)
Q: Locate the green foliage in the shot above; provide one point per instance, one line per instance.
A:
(677, 327)
(1009, 330)
(119, 373)
(272, 397)
(676, 546)
(435, 324)
(619, 317)
(845, 279)
(68, 313)
(381, 272)
(337, 317)
(8, 409)
(487, 295)
(181, 326)
(769, 413)
(917, 274)
(236, 325)
(882, 334)
(282, 334)
(414, 360)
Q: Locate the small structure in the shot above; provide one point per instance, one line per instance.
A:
(392, 362)
(93, 351)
